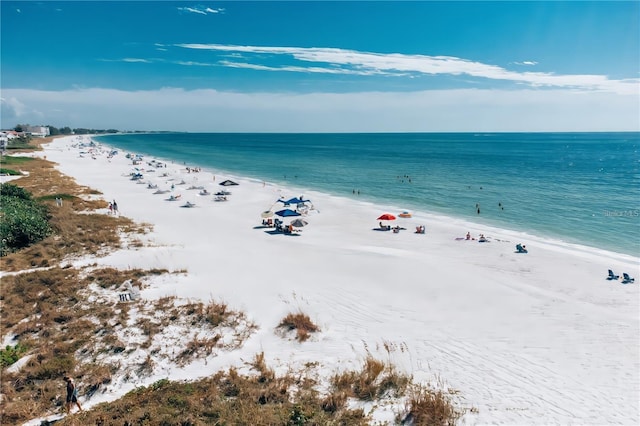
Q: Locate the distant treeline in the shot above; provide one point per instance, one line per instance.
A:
(55, 131)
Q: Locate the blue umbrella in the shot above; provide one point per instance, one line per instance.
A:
(287, 213)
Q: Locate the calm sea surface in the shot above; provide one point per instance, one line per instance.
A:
(577, 187)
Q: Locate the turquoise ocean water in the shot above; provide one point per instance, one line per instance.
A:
(580, 188)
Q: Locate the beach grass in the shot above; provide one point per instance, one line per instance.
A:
(376, 379)
(71, 330)
(227, 397)
(426, 406)
(301, 323)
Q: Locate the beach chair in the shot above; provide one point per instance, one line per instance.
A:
(626, 279)
(612, 276)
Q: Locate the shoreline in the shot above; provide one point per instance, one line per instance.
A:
(503, 329)
(431, 216)
(600, 233)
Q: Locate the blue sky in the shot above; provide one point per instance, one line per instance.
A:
(320, 66)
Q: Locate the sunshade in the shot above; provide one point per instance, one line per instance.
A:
(387, 216)
(287, 213)
(228, 183)
(294, 200)
(266, 213)
(299, 223)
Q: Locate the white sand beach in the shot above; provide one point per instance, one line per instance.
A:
(536, 338)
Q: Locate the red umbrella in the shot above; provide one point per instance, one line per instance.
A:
(387, 216)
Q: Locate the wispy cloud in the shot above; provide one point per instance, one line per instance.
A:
(146, 61)
(369, 63)
(130, 60)
(322, 70)
(194, 64)
(201, 10)
(528, 63)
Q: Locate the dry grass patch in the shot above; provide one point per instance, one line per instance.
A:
(375, 380)
(48, 313)
(228, 397)
(299, 322)
(426, 407)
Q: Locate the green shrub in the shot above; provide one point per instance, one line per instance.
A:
(8, 160)
(10, 190)
(23, 221)
(11, 354)
(9, 172)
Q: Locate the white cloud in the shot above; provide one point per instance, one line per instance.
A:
(426, 111)
(348, 61)
(130, 60)
(13, 111)
(192, 10)
(200, 10)
(528, 63)
(146, 61)
(192, 63)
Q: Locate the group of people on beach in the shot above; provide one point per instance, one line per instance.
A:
(113, 207)
(481, 238)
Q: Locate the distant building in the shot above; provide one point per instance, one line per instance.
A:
(37, 131)
(6, 136)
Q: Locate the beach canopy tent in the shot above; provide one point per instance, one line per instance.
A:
(294, 200)
(287, 213)
(299, 223)
(387, 216)
(228, 183)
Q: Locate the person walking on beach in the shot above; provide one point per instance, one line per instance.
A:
(72, 394)
(115, 207)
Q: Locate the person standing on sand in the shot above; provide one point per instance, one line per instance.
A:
(72, 394)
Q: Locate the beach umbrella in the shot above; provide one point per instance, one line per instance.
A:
(387, 216)
(287, 213)
(299, 223)
(266, 214)
(228, 183)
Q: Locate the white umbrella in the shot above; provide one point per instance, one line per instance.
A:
(267, 213)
